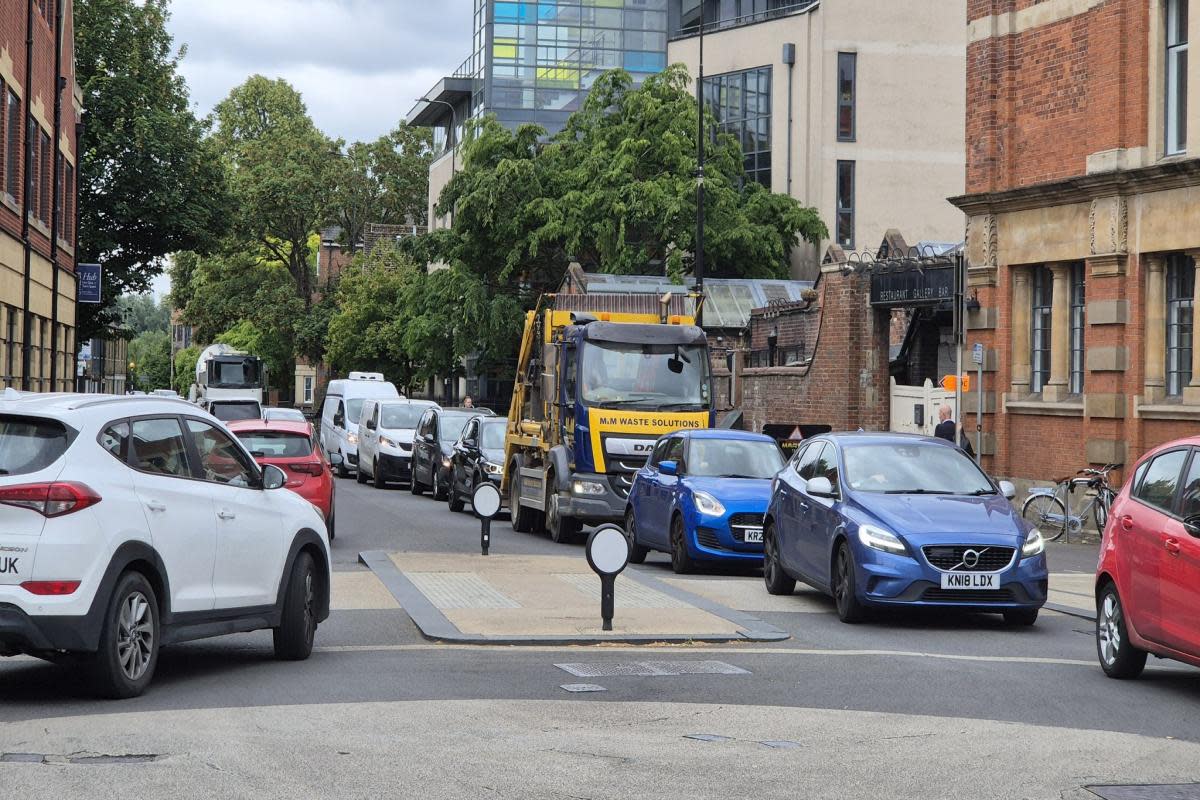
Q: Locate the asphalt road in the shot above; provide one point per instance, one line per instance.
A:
(909, 705)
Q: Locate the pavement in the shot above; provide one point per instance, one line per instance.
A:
(909, 704)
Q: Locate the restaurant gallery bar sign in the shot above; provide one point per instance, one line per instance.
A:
(88, 288)
(912, 286)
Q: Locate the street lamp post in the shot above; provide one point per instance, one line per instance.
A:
(699, 266)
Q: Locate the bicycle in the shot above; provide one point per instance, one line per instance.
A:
(1049, 508)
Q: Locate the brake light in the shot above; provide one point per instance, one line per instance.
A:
(48, 588)
(312, 468)
(50, 499)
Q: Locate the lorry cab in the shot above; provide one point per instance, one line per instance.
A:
(589, 405)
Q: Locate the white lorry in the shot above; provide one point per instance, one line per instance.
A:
(229, 383)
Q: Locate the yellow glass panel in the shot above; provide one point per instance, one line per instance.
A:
(504, 48)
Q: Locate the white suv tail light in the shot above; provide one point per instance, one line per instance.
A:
(54, 499)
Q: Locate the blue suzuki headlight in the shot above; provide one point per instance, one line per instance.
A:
(707, 504)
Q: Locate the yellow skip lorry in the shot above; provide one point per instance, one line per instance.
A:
(594, 389)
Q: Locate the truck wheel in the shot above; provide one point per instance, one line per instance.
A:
(523, 519)
(562, 530)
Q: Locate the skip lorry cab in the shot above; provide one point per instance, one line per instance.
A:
(594, 390)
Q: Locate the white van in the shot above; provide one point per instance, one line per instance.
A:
(339, 416)
(385, 438)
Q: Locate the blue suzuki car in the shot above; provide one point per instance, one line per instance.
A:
(701, 497)
(884, 519)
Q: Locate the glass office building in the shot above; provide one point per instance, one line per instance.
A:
(534, 62)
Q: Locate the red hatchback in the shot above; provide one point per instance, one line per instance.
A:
(291, 447)
(1148, 579)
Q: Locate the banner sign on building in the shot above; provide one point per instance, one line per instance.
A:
(88, 290)
(912, 286)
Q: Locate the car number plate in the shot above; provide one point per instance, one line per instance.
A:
(970, 580)
(753, 535)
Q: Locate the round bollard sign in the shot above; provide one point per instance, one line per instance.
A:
(608, 550)
(486, 500)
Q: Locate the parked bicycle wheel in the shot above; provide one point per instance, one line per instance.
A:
(1047, 514)
(1103, 502)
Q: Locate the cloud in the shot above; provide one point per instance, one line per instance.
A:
(359, 64)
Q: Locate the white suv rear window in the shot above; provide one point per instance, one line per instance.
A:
(30, 444)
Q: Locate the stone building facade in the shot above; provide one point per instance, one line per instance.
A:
(1083, 206)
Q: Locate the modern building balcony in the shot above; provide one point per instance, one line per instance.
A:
(722, 15)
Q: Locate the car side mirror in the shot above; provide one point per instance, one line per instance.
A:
(370, 424)
(668, 467)
(1192, 525)
(821, 487)
(273, 477)
(1008, 490)
(339, 421)
(336, 460)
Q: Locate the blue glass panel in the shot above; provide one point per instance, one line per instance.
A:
(515, 12)
(644, 61)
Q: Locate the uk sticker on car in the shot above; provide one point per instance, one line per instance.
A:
(970, 580)
(754, 535)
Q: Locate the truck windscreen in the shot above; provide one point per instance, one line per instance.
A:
(239, 373)
(645, 376)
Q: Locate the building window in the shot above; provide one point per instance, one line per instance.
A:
(308, 390)
(33, 183)
(59, 177)
(1176, 74)
(1078, 303)
(1040, 343)
(69, 205)
(741, 103)
(845, 204)
(847, 71)
(12, 144)
(1181, 287)
(44, 195)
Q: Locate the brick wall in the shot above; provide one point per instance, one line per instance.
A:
(1041, 100)
(846, 383)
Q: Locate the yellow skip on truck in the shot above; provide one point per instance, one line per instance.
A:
(595, 387)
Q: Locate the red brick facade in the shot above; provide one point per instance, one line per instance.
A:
(36, 329)
(1062, 169)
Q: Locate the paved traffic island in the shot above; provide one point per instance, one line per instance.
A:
(524, 599)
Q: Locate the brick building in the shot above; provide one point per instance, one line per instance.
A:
(40, 106)
(1083, 205)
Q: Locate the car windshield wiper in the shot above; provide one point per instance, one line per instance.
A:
(748, 477)
(916, 491)
(980, 492)
(679, 406)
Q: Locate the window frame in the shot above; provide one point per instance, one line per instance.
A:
(1180, 269)
(841, 207)
(1041, 327)
(131, 449)
(817, 449)
(1175, 62)
(247, 461)
(850, 60)
(1078, 328)
(742, 123)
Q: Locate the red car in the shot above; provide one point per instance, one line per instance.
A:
(291, 447)
(1148, 579)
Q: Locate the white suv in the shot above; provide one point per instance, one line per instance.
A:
(128, 523)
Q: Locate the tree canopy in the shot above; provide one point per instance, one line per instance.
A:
(150, 181)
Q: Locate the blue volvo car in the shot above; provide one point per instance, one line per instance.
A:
(884, 519)
(701, 497)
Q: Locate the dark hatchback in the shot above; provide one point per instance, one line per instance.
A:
(433, 445)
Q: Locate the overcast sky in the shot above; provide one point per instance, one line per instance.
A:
(360, 64)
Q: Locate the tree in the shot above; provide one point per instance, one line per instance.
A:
(615, 190)
(150, 182)
(281, 168)
(139, 313)
(385, 181)
(150, 355)
(185, 368)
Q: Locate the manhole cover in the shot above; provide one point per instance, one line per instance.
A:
(1173, 791)
(650, 669)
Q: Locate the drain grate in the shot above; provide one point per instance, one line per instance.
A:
(579, 688)
(608, 669)
(1172, 791)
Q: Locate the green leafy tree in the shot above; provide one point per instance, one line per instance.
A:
(616, 191)
(385, 181)
(185, 368)
(150, 182)
(140, 313)
(150, 355)
(280, 168)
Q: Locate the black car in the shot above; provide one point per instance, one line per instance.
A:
(478, 455)
(433, 444)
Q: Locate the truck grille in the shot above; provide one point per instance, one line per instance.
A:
(621, 472)
(949, 558)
